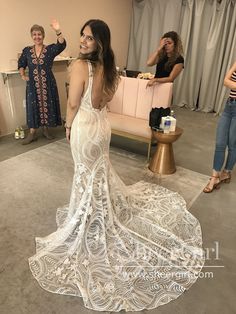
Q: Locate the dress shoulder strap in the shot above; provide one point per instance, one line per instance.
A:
(90, 82)
(90, 68)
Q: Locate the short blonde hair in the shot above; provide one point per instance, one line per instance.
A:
(38, 28)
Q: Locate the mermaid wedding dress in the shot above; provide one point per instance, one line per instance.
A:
(118, 247)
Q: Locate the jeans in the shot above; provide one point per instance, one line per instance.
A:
(226, 138)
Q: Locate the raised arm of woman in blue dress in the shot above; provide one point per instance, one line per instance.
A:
(56, 26)
(57, 48)
(78, 76)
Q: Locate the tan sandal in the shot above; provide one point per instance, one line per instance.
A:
(216, 186)
(227, 179)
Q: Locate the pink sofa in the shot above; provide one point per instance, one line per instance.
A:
(130, 107)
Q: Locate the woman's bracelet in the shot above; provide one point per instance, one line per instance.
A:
(67, 127)
(58, 34)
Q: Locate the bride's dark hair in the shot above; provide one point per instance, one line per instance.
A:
(103, 55)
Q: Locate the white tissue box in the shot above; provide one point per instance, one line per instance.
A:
(172, 123)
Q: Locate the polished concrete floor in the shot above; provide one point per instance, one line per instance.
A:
(215, 211)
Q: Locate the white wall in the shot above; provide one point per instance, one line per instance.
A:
(16, 18)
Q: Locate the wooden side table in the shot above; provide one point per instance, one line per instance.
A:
(163, 161)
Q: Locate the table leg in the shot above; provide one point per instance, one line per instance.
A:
(163, 160)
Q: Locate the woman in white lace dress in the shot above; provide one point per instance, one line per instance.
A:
(118, 247)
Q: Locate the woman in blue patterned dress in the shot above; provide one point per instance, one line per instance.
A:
(42, 100)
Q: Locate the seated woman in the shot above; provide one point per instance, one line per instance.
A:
(168, 59)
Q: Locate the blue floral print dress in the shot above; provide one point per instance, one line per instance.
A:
(42, 100)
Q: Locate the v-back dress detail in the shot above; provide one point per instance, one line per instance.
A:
(118, 247)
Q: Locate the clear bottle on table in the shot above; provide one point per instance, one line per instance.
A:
(172, 113)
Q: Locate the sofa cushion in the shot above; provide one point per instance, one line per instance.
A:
(116, 104)
(162, 95)
(129, 124)
(144, 100)
(130, 96)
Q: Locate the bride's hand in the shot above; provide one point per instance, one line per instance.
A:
(68, 134)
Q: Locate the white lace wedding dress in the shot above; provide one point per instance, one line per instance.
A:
(118, 247)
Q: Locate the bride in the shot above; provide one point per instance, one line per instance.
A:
(118, 247)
